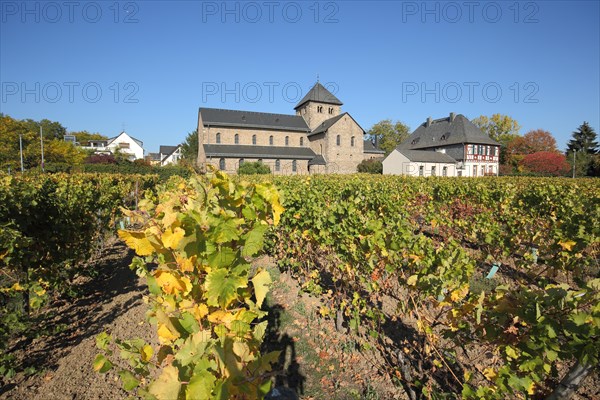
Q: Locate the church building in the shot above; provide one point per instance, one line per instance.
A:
(319, 138)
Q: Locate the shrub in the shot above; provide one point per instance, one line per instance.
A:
(371, 166)
(254, 168)
(546, 163)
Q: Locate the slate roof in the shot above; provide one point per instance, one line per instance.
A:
(443, 132)
(251, 119)
(328, 123)
(317, 160)
(167, 150)
(319, 94)
(426, 156)
(269, 152)
(370, 148)
(112, 139)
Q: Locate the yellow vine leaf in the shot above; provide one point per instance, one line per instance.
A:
(137, 241)
(171, 238)
(567, 245)
(165, 335)
(200, 311)
(186, 264)
(171, 284)
(459, 293)
(412, 280)
(489, 373)
(167, 386)
(531, 388)
(147, 352)
(261, 282)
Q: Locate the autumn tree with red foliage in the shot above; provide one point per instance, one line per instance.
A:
(546, 163)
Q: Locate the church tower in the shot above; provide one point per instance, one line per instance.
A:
(318, 105)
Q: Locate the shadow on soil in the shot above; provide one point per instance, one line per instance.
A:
(70, 321)
(274, 340)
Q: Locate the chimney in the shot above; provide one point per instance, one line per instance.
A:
(452, 116)
(428, 124)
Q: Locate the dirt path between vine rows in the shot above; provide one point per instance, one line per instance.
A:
(316, 362)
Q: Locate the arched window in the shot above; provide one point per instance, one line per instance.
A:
(301, 141)
(236, 139)
(277, 165)
(222, 164)
(271, 140)
(294, 166)
(218, 137)
(352, 141)
(330, 110)
(253, 139)
(338, 140)
(287, 140)
(320, 109)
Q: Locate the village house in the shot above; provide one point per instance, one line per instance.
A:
(319, 138)
(123, 143)
(451, 146)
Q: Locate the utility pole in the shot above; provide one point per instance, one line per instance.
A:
(21, 151)
(42, 144)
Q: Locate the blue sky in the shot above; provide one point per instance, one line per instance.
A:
(149, 65)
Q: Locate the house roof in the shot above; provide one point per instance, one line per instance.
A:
(443, 132)
(269, 152)
(319, 94)
(251, 119)
(426, 156)
(317, 160)
(369, 147)
(112, 139)
(167, 150)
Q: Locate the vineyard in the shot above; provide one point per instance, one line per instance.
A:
(474, 288)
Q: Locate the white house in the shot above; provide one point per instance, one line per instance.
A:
(126, 145)
(453, 143)
(419, 163)
(169, 154)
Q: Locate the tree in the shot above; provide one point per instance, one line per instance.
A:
(584, 139)
(501, 128)
(83, 137)
(50, 129)
(388, 135)
(534, 141)
(189, 148)
(546, 163)
(370, 166)
(254, 168)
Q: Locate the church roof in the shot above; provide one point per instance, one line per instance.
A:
(369, 147)
(317, 160)
(328, 123)
(319, 94)
(446, 131)
(250, 119)
(426, 156)
(269, 152)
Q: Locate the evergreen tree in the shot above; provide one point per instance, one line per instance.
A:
(584, 139)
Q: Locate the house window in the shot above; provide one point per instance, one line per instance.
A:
(487, 150)
(271, 140)
(469, 149)
(433, 170)
(294, 166)
(445, 171)
(480, 150)
(421, 170)
(338, 140)
(287, 140)
(236, 139)
(483, 170)
(352, 141)
(459, 173)
(253, 139)
(474, 170)
(218, 139)
(277, 165)
(222, 164)
(301, 141)
(123, 145)
(491, 170)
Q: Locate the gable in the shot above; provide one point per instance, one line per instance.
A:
(329, 123)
